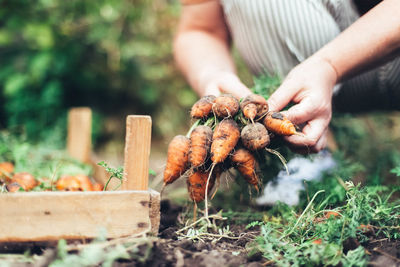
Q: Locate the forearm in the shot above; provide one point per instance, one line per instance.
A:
(200, 55)
(371, 40)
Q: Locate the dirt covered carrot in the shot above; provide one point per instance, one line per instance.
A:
(25, 180)
(197, 182)
(246, 164)
(254, 106)
(225, 137)
(200, 143)
(203, 107)
(177, 158)
(254, 136)
(225, 105)
(279, 124)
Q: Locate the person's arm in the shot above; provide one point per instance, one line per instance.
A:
(370, 41)
(202, 51)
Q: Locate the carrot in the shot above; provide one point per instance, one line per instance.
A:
(246, 164)
(97, 187)
(200, 143)
(277, 123)
(177, 158)
(84, 182)
(254, 136)
(68, 183)
(225, 137)
(202, 108)
(197, 183)
(25, 180)
(254, 105)
(13, 187)
(225, 105)
(6, 168)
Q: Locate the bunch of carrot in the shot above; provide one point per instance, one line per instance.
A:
(17, 181)
(227, 133)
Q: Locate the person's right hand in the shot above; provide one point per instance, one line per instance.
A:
(309, 86)
(224, 82)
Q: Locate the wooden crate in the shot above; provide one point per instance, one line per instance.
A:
(46, 216)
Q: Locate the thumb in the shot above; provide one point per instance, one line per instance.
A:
(281, 97)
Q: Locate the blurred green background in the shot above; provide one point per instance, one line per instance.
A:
(114, 56)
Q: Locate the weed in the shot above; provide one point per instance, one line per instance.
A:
(315, 238)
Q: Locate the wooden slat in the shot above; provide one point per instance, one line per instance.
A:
(38, 216)
(79, 140)
(137, 152)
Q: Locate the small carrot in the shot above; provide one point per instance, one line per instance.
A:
(200, 143)
(225, 105)
(13, 187)
(254, 105)
(25, 180)
(247, 165)
(177, 158)
(277, 123)
(6, 169)
(97, 187)
(225, 137)
(203, 107)
(85, 183)
(197, 183)
(68, 183)
(254, 136)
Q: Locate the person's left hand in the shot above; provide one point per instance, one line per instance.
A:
(309, 85)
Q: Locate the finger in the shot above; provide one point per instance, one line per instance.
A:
(304, 150)
(281, 97)
(235, 87)
(301, 112)
(212, 89)
(312, 133)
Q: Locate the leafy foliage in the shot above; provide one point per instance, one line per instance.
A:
(314, 237)
(114, 56)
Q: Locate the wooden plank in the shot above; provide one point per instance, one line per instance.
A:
(137, 153)
(39, 216)
(155, 214)
(79, 140)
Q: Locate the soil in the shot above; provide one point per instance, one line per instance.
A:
(168, 250)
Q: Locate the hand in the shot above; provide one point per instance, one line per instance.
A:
(309, 85)
(224, 82)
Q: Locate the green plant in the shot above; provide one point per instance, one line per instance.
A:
(313, 237)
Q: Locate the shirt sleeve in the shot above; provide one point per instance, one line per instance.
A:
(191, 2)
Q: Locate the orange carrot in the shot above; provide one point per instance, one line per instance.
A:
(254, 136)
(197, 183)
(277, 123)
(97, 187)
(247, 165)
(177, 158)
(225, 105)
(254, 105)
(85, 183)
(6, 168)
(202, 108)
(25, 180)
(200, 143)
(68, 183)
(225, 137)
(13, 187)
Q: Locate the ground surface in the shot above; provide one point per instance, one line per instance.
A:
(169, 250)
